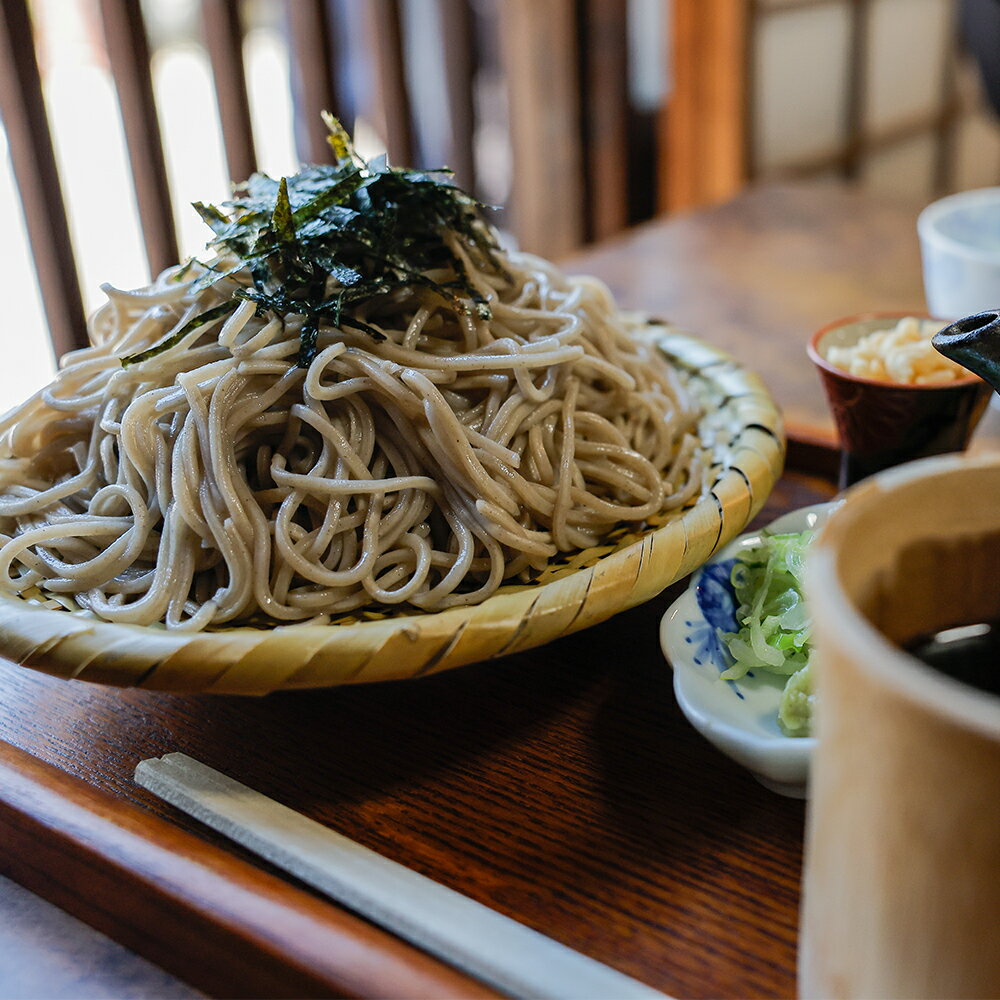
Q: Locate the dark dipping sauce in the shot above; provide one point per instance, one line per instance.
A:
(969, 653)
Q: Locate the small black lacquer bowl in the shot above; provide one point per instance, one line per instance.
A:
(882, 424)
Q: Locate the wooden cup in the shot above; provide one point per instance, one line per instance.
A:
(901, 894)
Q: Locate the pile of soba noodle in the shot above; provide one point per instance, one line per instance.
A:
(219, 481)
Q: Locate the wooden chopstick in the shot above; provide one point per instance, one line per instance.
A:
(489, 946)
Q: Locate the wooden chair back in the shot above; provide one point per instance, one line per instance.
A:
(563, 63)
(903, 86)
(586, 158)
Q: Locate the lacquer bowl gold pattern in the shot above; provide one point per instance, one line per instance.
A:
(743, 434)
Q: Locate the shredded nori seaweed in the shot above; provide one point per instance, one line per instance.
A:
(331, 236)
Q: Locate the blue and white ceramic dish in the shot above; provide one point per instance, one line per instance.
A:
(739, 717)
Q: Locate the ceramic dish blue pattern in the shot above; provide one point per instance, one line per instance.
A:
(717, 604)
(739, 717)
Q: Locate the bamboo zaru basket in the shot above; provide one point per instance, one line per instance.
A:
(742, 432)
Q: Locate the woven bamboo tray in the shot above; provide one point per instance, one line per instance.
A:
(743, 432)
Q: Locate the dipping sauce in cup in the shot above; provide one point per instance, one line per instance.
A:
(893, 397)
(900, 890)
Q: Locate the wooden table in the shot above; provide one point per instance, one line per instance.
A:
(560, 786)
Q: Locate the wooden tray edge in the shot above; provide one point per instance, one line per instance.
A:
(814, 450)
(208, 917)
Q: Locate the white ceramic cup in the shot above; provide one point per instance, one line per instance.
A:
(960, 248)
(901, 890)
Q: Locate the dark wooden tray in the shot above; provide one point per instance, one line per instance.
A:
(561, 787)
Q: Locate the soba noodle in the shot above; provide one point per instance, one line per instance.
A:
(219, 482)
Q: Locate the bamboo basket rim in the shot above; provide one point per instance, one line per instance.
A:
(743, 434)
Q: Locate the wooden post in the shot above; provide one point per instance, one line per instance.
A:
(857, 86)
(539, 53)
(128, 52)
(224, 40)
(23, 109)
(605, 118)
(310, 49)
(458, 62)
(391, 101)
(703, 150)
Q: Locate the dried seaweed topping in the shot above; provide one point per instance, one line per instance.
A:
(331, 236)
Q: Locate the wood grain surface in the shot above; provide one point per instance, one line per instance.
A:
(560, 786)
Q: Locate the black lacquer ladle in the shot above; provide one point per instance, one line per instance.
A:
(970, 653)
(974, 343)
